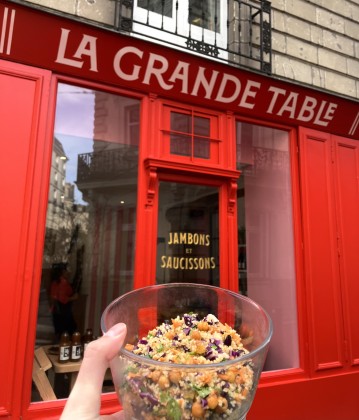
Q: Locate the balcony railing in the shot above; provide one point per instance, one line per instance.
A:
(237, 32)
(106, 165)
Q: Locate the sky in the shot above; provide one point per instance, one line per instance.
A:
(74, 126)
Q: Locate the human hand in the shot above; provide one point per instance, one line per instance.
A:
(84, 401)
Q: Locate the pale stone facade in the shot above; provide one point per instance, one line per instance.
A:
(314, 42)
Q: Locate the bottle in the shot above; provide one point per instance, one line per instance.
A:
(88, 337)
(76, 347)
(64, 348)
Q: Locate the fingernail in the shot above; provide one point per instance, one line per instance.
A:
(116, 330)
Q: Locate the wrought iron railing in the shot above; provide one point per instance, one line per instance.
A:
(106, 165)
(242, 38)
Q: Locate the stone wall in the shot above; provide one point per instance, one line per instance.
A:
(316, 42)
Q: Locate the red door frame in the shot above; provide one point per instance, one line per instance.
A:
(148, 216)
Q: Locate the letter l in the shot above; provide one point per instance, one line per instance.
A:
(61, 51)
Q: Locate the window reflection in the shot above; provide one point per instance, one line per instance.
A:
(90, 223)
(266, 263)
(205, 13)
(163, 7)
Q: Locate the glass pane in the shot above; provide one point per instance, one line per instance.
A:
(201, 148)
(181, 122)
(90, 226)
(157, 6)
(181, 145)
(187, 241)
(266, 242)
(205, 13)
(202, 126)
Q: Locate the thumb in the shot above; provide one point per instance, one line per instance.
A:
(85, 397)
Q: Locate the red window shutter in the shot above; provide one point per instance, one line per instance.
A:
(347, 200)
(320, 251)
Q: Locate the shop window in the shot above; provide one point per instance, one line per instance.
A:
(191, 135)
(88, 256)
(187, 239)
(265, 235)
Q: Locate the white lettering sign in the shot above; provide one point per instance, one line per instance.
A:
(135, 65)
(319, 113)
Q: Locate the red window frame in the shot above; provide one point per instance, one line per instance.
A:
(214, 137)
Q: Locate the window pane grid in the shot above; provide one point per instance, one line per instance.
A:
(189, 135)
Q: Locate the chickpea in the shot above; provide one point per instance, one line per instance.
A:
(222, 405)
(196, 335)
(129, 347)
(163, 382)
(212, 401)
(239, 379)
(155, 375)
(174, 376)
(197, 410)
(200, 348)
(203, 326)
(176, 323)
(231, 377)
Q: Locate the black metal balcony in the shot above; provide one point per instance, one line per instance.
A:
(239, 35)
(107, 165)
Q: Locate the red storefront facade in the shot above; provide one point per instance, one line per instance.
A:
(225, 142)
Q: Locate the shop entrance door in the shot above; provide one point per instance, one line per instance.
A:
(188, 233)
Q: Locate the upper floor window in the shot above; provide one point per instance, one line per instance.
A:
(158, 6)
(192, 24)
(203, 13)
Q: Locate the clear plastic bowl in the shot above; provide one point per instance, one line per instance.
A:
(187, 391)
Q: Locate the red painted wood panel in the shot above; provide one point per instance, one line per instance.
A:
(22, 90)
(320, 252)
(347, 172)
(326, 398)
